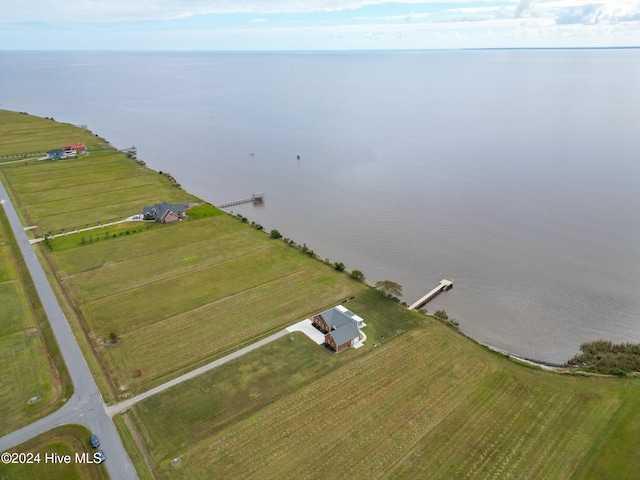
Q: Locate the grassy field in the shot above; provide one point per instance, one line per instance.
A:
(426, 404)
(180, 295)
(65, 440)
(100, 187)
(176, 296)
(23, 133)
(27, 367)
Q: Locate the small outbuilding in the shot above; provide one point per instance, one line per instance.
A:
(341, 328)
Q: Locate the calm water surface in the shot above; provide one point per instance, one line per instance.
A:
(515, 173)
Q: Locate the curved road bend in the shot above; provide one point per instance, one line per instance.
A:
(86, 406)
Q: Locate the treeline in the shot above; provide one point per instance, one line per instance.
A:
(605, 357)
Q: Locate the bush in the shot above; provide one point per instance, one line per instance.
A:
(339, 266)
(605, 357)
(392, 289)
(275, 234)
(357, 275)
(441, 314)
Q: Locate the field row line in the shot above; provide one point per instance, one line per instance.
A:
(62, 168)
(209, 304)
(93, 195)
(142, 196)
(122, 406)
(156, 251)
(172, 275)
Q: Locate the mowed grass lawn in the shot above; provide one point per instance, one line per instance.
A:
(178, 296)
(426, 404)
(175, 296)
(65, 440)
(27, 134)
(99, 187)
(26, 369)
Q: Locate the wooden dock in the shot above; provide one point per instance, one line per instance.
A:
(133, 151)
(255, 198)
(442, 286)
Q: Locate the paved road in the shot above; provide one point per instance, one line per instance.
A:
(86, 406)
(122, 406)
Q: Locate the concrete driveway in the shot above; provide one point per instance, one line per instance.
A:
(306, 327)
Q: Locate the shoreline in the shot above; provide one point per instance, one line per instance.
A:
(538, 363)
(145, 164)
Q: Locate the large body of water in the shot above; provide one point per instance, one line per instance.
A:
(514, 173)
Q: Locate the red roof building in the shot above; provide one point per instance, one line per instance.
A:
(77, 147)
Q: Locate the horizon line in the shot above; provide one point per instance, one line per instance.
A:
(347, 50)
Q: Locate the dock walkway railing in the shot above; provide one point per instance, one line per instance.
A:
(442, 286)
(255, 198)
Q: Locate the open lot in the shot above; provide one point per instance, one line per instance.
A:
(99, 187)
(178, 296)
(426, 404)
(26, 134)
(175, 296)
(65, 440)
(27, 368)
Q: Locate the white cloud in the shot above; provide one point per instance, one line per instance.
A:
(523, 6)
(131, 10)
(411, 17)
(455, 23)
(572, 12)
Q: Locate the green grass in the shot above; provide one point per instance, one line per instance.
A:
(426, 404)
(65, 440)
(202, 211)
(29, 356)
(180, 295)
(26, 134)
(176, 296)
(100, 187)
(231, 393)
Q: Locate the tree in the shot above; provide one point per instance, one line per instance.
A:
(275, 234)
(339, 266)
(441, 314)
(390, 288)
(357, 275)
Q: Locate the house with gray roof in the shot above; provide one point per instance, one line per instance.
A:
(56, 154)
(341, 327)
(164, 212)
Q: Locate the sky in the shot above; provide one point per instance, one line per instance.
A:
(316, 24)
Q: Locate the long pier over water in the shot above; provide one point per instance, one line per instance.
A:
(255, 198)
(442, 286)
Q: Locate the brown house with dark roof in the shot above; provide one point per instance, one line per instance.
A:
(340, 326)
(165, 212)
